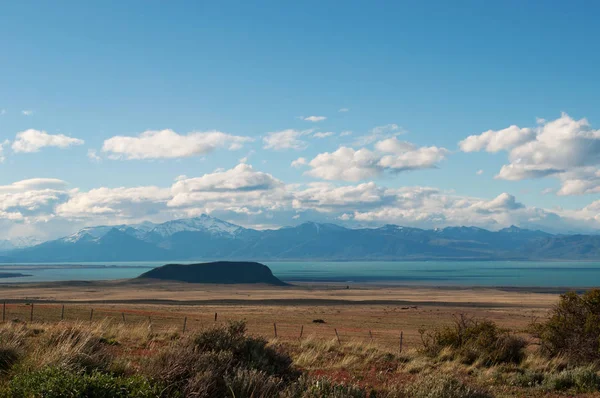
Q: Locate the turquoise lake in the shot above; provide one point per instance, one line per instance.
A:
(430, 273)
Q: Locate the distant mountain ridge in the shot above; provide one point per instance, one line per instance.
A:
(208, 238)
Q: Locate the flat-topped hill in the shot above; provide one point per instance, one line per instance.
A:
(220, 272)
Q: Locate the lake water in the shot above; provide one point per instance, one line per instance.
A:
(431, 273)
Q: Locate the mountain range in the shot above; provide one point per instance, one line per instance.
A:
(208, 238)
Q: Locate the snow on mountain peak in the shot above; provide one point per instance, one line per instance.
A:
(203, 223)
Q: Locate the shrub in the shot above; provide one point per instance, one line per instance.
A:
(573, 328)
(244, 383)
(219, 361)
(583, 379)
(436, 386)
(53, 382)
(322, 388)
(73, 348)
(528, 378)
(471, 340)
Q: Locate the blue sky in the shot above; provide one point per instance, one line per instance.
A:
(433, 72)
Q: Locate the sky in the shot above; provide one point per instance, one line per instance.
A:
(269, 113)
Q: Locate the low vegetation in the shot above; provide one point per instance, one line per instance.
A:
(470, 358)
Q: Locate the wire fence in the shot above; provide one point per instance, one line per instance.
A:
(188, 321)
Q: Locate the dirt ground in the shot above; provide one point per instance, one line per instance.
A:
(370, 313)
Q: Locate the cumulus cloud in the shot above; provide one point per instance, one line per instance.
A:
(313, 118)
(33, 140)
(494, 141)
(378, 133)
(27, 112)
(240, 190)
(243, 193)
(479, 172)
(167, 144)
(326, 197)
(32, 199)
(118, 204)
(299, 162)
(285, 139)
(564, 148)
(348, 164)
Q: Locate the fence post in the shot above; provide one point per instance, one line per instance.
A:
(401, 338)
(275, 329)
(91, 314)
(31, 313)
(62, 312)
(338, 336)
(215, 316)
(184, 324)
(301, 330)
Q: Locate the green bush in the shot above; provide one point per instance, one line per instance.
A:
(573, 328)
(443, 386)
(52, 382)
(472, 340)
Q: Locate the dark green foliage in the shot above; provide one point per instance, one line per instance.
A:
(54, 382)
(573, 329)
(8, 357)
(473, 340)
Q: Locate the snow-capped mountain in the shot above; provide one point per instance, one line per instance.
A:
(206, 237)
(204, 223)
(18, 243)
(148, 230)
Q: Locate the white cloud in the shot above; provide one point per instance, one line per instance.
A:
(2, 145)
(326, 197)
(348, 164)
(299, 162)
(345, 133)
(379, 133)
(494, 141)
(313, 118)
(31, 200)
(238, 190)
(27, 112)
(343, 110)
(167, 144)
(285, 139)
(93, 156)
(116, 204)
(565, 148)
(33, 140)
(323, 134)
(258, 198)
(479, 172)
